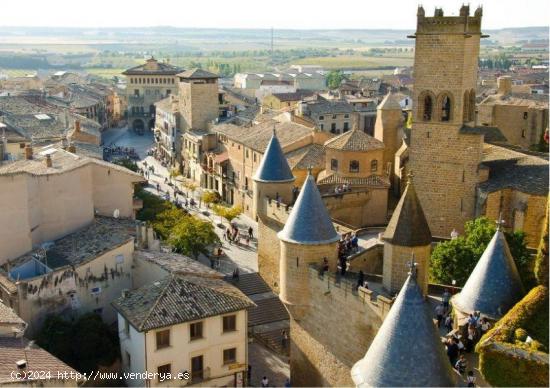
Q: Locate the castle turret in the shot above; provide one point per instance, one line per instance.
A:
(407, 350)
(494, 285)
(388, 128)
(407, 233)
(307, 238)
(272, 179)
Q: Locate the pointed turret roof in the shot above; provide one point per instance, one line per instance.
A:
(408, 226)
(274, 166)
(309, 222)
(494, 285)
(407, 351)
(389, 102)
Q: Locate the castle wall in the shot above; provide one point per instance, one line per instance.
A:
(364, 207)
(269, 253)
(336, 332)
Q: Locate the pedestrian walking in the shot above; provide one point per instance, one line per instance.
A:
(449, 323)
(158, 188)
(250, 232)
(452, 350)
(471, 379)
(284, 339)
(265, 382)
(360, 279)
(445, 298)
(439, 312)
(461, 364)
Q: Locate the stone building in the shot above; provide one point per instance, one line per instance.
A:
(199, 99)
(295, 240)
(522, 118)
(354, 160)
(446, 148)
(332, 116)
(74, 188)
(279, 101)
(147, 84)
(167, 129)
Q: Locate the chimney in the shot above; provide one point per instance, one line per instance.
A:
(28, 152)
(504, 84)
(71, 148)
(77, 125)
(48, 161)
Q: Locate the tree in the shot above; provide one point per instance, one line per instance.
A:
(229, 213)
(84, 344)
(192, 237)
(164, 222)
(209, 197)
(334, 78)
(456, 259)
(190, 186)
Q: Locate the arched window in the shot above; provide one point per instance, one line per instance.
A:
(445, 107)
(354, 166)
(472, 105)
(425, 106)
(374, 166)
(466, 107)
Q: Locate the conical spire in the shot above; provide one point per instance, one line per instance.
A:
(309, 222)
(408, 226)
(407, 350)
(274, 166)
(494, 285)
(389, 102)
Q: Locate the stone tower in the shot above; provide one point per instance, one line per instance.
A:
(407, 234)
(388, 128)
(272, 185)
(198, 101)
(445, 149)
(307, 238)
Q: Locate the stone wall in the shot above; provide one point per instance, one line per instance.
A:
(369, 261)
(359, 208)
(396, 266)
(335, 334)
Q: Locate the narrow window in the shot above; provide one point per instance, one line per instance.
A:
(428, 106)
(195, 331)
(229, 323)
(446, 109)
(334, 164)
(229, 356)
(197, 368)
(164, 372)
(374, 166)
(354, 166)
(163, 339)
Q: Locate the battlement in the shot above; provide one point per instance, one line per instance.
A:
(279, 212)
(346, 287)
(440, 24)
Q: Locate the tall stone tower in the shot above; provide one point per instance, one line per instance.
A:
(273, 180)
(388, 128)
(307, 238)
(406, 236)
(198, 101)
(445, 149)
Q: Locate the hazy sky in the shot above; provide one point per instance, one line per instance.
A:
(364, 14)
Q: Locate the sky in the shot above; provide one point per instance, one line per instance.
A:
(281, 14)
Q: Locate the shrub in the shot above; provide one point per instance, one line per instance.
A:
(505, 362)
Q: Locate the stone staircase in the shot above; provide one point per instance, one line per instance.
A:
(268, 319)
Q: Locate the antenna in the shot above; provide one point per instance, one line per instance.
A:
(500, 222)
(412, 266)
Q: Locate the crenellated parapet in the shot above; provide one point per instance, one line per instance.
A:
(439, 23)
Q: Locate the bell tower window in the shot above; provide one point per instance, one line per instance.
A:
(427, 107)
(445, 105)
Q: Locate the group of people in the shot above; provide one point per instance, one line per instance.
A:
(348, 244)
(342, 188)
(232, 235)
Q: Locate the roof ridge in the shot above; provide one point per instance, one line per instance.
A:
(157, 300)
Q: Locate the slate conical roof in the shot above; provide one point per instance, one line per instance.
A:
(274, 166)
(389, 102)
(494, 285)
(408, 226)
(309, 222)
(407, 351)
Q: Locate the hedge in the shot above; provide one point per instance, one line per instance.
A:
(505, 363)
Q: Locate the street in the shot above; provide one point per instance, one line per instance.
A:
(239, 256)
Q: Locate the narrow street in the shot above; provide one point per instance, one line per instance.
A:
(235, 256)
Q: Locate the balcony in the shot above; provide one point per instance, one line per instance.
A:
(136, 99)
